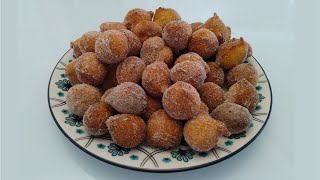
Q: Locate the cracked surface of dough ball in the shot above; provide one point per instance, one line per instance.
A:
(212, 95)
(88, 40)
(136, 15)
(75, 45)
(112, 26)
(177, 34)
(146, 29)
(153, 105)
(163, 16)
(71, 72)
(192, 56)
(216, 74)
(246, 71)
(133, 42)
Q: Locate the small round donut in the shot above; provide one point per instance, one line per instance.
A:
(235, 117)
(134, 16)
(212, 95)
(181, 101)
(204, 42)
(147, 29)
(192, 56)
(112, 26)
(163, 131)
(153, 105)
(216, 25)
(75, 45)
(127, 130)
(246, 71)
(80, 97)
(88, 40)
(103, 100)
(130, 70)
(128, 97)
(190, 72)
(216, 74)
(71, 72)
(111, 79)
(156, 78)
(90, 70)
(195, 26)
(95, 118)
(177, 34)
(163, 16)
(112, 47)
(133, 42)
(244, 94)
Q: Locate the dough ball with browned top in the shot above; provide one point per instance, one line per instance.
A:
(216, 74)
(246, 71)
(147, 29)
(163, 16)
(111, 26)
(88, 40)
(192, 56)
(136, 15)
(130, 70)
(133, 42)
(212, 95)
(177, 34)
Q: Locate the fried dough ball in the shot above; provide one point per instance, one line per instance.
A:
(153, 105)
(232, 53)
(195, 26)
(181, 101)
(156, 78)
(94, 119)
(103, 100)
(80, 97)
(133, 42)
(204, 43)
(246, 71)
(234, 116)
(192, 56)
(128, 97)
(134, 16)
(90, 70)
(163, 131)
(202, 132)
(75, 45)
(111, 79)
(155, 49)
(163, 16)
(216, 25)
(127, 130)
(146, 29)
(88, 40)
(190, 72)
(212, 95)
(111, 26)
(203, 109)
(71, 72)
(216, 74)
(177, 34)
(112, 47)
(130, 70)
(244, 94)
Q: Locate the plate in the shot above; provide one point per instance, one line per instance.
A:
(144, 158)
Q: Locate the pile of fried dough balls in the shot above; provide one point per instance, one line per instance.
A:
(161, 77)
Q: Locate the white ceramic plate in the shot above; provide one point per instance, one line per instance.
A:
(144, 158)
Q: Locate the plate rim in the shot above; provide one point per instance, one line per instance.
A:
(161, 170)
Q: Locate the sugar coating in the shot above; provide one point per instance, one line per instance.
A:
(192, 56)
(189, 71)
(244, 94)
(181, 101)
(88, 40)
(216, 74)
(110, 80)
(94, 119)
(216, 25)
(128, 97)
(195, 26)
(126, 130)
(156, 78)
(146, 29)
(204, 109)
(112, 47)
(90, 70)
(76, 47)
(80, 97)
(163, 16)
(133, 42)
(204, 42)
(71, 72)
(212, 95)
(246, 71)
(177, 34)
(130, 70)
(153, 105)
(163, 131)
(136, 15)
(155, 49)
(103, 100)
(112, 26)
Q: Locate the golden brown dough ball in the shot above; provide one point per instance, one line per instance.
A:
(212, 95)
(181, 101)
(163, 131)
(204, 43)
(75, 45)
(111, 79)
(71, 72)
(177, 34)
(90, 70)
(104, 100)
(88, 40)
(130, 70)
(133, 42)
(204, 110)
(244, 94)
(216, 74)
(146, 29)
(163, 16)
(235, 117)
(192, 56)
(111, 26)
(127, 130)
(95, 118)
(112, 47)
(246, 71)
(195, 26)
(153, 105)
(216, 25)
(80, 97)
(134, 16)
(156, 78)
